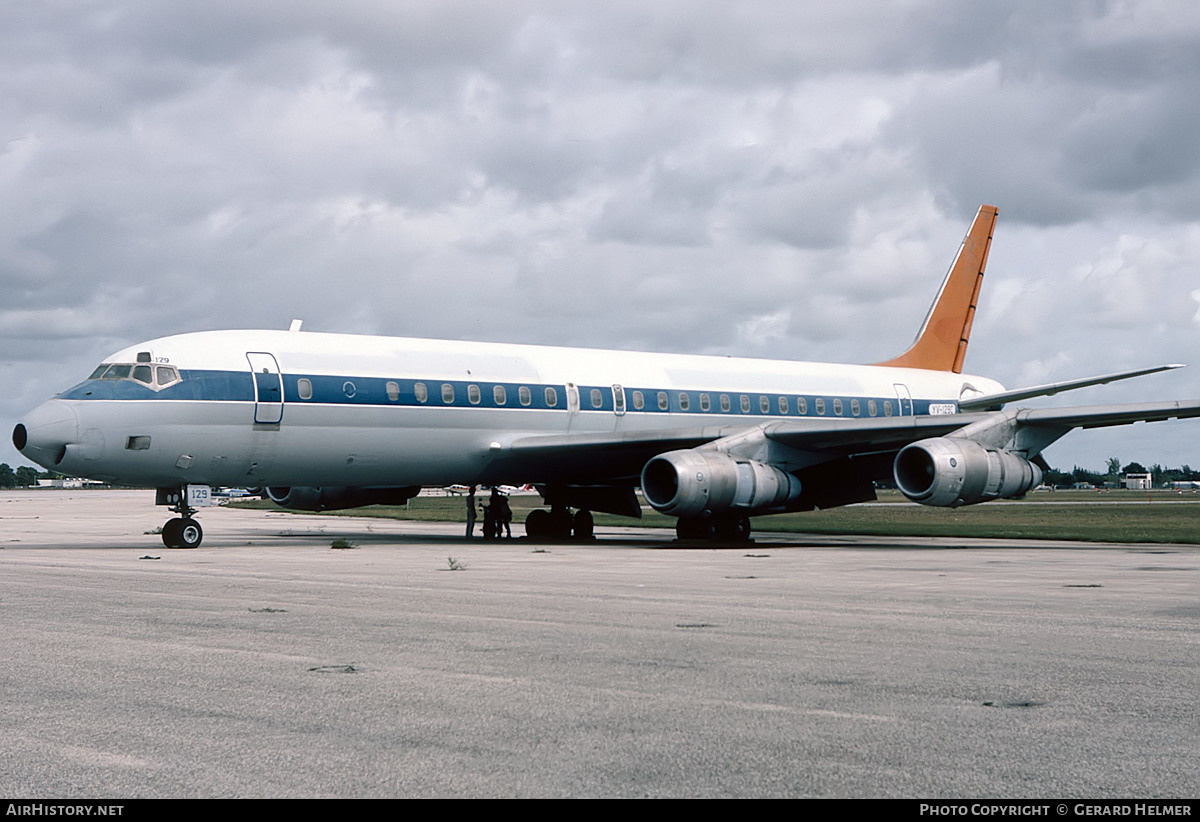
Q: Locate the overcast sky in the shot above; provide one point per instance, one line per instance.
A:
(774, 179)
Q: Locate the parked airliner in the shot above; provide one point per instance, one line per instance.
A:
(325, 421)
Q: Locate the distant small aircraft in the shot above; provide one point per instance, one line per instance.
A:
(324, 421)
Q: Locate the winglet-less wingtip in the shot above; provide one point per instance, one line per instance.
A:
(942, 343)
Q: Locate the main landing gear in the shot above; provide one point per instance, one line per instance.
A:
(714, 527)
(181, 531)
(559, 524)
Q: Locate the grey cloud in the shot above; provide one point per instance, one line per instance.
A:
(782, 179)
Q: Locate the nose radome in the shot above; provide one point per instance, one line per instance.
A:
(46, 431)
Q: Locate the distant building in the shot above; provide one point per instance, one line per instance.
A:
(1139, 482)
(67, 482)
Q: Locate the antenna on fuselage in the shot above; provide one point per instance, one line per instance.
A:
(295, 326)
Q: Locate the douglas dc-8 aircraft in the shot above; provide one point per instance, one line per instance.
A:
(325, 421)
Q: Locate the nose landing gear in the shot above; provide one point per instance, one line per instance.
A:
(181, 531)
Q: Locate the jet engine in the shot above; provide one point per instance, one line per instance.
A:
(689, 482)
(944, 471)
(333, 498)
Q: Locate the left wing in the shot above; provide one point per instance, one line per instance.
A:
(794, 445)
(994, 401)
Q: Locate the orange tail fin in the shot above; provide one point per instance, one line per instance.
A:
(942, 343)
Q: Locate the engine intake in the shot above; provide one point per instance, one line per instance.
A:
(949, 472)
(334, 498)
(689, 482)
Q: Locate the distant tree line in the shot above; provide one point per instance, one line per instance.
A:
(1159, 476)
(23, 477)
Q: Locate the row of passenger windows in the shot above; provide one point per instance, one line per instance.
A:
(421, 392)
(475, 394)
(784, 404)
(639, 399)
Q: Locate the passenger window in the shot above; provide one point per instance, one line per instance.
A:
(618, 399)
(473, 395)
(684, 401)
(855, 407)
(764, 405)
(639, 400)
(525, 395)
(304, 388)
(837, 408)
(447, 393)
(887, 408)
(704, 403)
(725, 403)
(421, 392)
(783, 405)
(745, 404)
(801, 405)
(820, 405)
(500, 395)
(393, 390)
(872, 408)
(663, 403)
(142, 373)
(597, 398)
(551, 396)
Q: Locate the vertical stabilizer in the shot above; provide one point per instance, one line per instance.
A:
(942, 343)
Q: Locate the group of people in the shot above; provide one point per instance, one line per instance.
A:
(497, 515)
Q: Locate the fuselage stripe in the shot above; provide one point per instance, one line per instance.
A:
(324, 389)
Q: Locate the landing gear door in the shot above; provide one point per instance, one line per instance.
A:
(268, 388)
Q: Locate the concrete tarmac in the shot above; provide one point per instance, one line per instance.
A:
(266, 664)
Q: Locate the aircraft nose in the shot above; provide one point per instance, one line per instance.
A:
(46, 431)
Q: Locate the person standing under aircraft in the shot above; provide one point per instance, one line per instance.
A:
(502, 513)
(471, 513)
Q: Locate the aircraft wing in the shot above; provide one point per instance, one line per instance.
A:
(992, 401)
(619, 457)
(1099, 416)
(596, 457)
(607, 457)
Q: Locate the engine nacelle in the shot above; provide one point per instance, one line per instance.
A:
(687, 483)
(950, 472)
(334, 498)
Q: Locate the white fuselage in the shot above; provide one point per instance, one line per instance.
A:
(296, 408)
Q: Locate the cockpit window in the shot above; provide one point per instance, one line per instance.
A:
(166, 375)
(154, 376)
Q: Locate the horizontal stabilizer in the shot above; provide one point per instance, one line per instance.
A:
(990, 401)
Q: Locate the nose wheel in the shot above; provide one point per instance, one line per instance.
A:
(182, 533)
